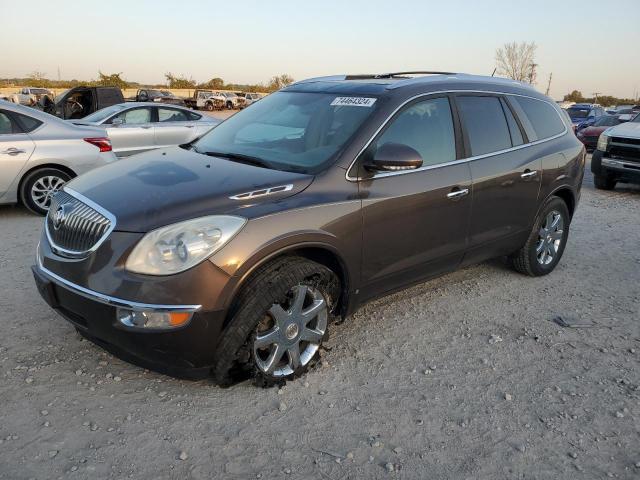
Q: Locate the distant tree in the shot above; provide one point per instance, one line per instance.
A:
(279, 81)
(112, 80)
(575, 96)
(37, 79)
(173, 81)
(214, 84)
(517, 61)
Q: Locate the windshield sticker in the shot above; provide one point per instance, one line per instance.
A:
(353, 102)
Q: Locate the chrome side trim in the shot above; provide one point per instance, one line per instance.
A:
(350, 178)
(72, 253)
(109, 300)
(262, 192)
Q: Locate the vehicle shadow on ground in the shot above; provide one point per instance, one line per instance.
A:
(15, 211)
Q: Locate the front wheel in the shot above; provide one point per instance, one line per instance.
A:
(209, 107)
(229, 106)
(545, 245)
(278, 323)
(39, 186)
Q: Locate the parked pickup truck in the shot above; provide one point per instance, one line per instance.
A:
(205, 100)
(78, 102)
(617, 158)
(30, 96)
(162, 96)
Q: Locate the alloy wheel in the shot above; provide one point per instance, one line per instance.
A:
(291, 332)
(550, 238)
(44, 188)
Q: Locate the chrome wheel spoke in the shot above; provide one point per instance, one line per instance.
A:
(274, 358)
(298, 299)
(269, 338)
(311, 335)
(278, 313)
(294, 356)
(311, 312)
(557, 235)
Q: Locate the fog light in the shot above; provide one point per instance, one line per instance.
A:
(152, 319)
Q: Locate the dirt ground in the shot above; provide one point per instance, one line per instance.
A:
(464, 377)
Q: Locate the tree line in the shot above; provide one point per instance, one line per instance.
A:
(39, 79)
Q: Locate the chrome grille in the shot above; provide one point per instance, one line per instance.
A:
(73, 227)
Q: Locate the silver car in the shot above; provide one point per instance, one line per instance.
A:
(39, 153)
(135, 127)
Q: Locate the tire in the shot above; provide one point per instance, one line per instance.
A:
(540, 254)
(208, 107)
(603, 182)
(52, 179)
(256, 331)
(229, 106)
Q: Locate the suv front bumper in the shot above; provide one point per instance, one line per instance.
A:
(186, 351)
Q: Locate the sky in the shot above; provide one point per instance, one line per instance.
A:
(588, 45)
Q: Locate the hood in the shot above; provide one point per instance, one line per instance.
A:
(626, 130)
(165, 186)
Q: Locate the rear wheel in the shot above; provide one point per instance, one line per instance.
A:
(209, 106)
(39, 186)
(603, 182)
(278, 324)
(545, 245)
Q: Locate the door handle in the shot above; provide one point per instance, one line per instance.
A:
(12, 151)
(189, 126)
(528, 174)
(457, 193)
(146, 128)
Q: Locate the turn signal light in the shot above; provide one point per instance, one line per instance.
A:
(103, 143)
(151, 319)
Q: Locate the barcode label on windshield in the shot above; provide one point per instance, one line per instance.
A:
(353, 102)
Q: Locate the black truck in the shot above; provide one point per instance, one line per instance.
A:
(78, 102)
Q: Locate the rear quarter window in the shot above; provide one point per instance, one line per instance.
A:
(29, 124)
(544, 118)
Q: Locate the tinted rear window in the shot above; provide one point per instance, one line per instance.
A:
(29, 124)
(485, 124)
(543, 117)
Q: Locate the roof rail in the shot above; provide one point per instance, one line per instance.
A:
(394, 75)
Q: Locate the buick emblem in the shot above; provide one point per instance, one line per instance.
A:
(60, 215)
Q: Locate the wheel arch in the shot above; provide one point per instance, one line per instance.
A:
(322, 253)
(567, 195)
(41, 166)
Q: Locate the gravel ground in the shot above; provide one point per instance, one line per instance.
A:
(464, 377)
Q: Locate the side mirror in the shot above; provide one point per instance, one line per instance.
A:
(116, 122)
(393, 157)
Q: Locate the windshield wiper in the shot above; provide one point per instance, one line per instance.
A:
(240, 158)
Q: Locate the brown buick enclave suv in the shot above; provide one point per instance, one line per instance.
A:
(231, 255)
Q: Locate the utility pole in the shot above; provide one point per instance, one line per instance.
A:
(595, 96)
(549, 84)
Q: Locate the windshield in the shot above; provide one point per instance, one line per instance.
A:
(39, 91)
(292, 131)
(609, 121)
(636, 119)
(578, 112)
(103, 114)
(154, 93)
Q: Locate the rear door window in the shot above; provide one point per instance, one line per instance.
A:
(427, 127)
(485, 124)
(171, 115)
(544, 118)
(514, 128)
(28, 124)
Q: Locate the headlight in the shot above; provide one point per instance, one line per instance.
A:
(178, 247)
(603, 142)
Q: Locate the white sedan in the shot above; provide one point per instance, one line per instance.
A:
(135, 127)
(39, 153)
